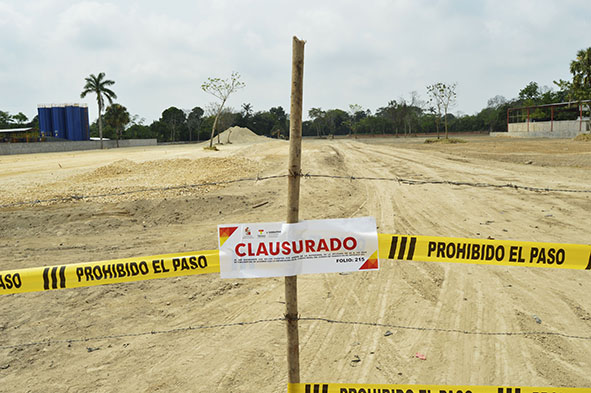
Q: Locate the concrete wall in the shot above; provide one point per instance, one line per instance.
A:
(47, 147)
(541, 129)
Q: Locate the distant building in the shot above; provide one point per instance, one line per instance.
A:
(19, 135)
(559, 120)
(66, 121)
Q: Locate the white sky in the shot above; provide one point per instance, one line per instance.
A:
(362, 52)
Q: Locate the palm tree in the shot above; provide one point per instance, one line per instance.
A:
(581, 70)
(98, 85)
(117, 116)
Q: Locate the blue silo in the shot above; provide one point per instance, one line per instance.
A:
(70, 132)
(58, 120)
(45, 125)
(77, 122)
(73, 123)
(65, 121)
(48, 122)
(84, 122)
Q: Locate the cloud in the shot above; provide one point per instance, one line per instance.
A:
(368, 53)
(89, 26)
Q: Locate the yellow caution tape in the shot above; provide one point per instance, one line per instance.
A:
(108, 272)
(390, 388)
(400, 247)
(484, 251)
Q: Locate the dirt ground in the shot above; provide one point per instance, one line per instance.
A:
(422, 299)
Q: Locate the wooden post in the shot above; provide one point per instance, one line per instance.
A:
(293, 203)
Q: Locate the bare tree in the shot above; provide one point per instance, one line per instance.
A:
(354, 109)
(408, 111)
(225, 117)
(221, 89)
(444, 97)
(496, 102)
(317, 115)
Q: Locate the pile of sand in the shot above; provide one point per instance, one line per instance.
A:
(125, 175)
(119, 167)
(239, 135)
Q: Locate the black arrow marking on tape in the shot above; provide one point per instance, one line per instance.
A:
(589, 264)
(402, 248)
(316, 388)
(393, 247)
(53, 279)
(509, 390)
(403, 242)
(46, 278)
(62, 277)
(411, 248)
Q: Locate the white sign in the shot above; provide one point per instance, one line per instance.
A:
(316, 246)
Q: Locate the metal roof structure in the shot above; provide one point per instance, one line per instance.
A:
(16, 130)
(517, 115)
(83, 105)
(577, 103)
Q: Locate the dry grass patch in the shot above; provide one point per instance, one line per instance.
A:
(445, 140)
(583, 137)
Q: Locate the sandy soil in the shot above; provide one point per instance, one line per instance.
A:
(251, 358)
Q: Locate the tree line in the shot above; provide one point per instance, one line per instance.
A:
(186, 125)
(405, 115)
